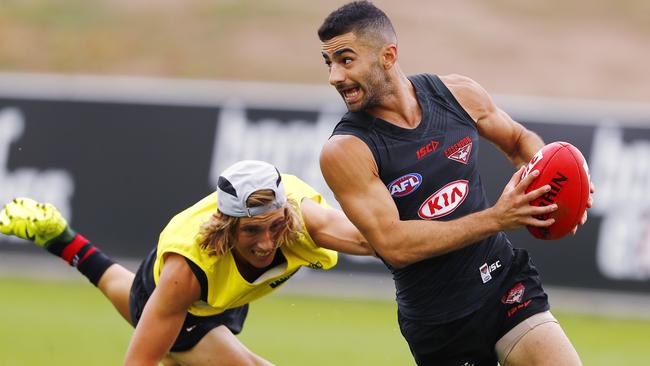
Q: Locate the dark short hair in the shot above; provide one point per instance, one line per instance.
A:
(360, 17)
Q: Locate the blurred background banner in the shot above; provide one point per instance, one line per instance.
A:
(121, 156)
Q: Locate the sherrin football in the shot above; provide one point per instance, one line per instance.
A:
(562, 166)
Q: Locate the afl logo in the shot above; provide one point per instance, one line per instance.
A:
(445, 200)
(405, 185)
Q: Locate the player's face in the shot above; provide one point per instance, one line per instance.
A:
(257, 237)
(355, 71)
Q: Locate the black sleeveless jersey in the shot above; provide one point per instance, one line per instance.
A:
(431, 172)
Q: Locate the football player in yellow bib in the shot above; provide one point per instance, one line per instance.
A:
(190, 295)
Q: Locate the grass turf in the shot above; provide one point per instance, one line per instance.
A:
(70, 323)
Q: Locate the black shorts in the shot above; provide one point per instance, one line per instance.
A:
(194, 327)
(470, 340)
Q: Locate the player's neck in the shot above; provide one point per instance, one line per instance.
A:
(251, 273)
(401, 107)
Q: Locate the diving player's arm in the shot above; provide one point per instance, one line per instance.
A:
(331, 229)
(517, 142)
(164, 313)
(351, 173)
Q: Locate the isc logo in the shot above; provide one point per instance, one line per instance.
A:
(405, 185)
(445, 200)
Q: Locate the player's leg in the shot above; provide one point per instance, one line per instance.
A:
(219, 347)
(115, 284)
(44, 225)
(538, 340)
(532, 334)
(208, 340)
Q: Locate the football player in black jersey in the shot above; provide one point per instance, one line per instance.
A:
(403, 165)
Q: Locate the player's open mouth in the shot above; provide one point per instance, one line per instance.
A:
(260, 253)
(351, 95)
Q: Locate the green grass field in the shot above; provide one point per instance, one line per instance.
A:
(70, 323)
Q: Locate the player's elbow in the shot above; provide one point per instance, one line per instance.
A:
(396, 259)
(386, 248)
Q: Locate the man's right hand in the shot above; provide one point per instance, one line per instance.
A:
(513, 209)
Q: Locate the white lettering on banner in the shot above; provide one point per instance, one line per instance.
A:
(621, 172)
(293, 146)
(55, 186)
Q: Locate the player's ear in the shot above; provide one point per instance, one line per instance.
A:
(389, 55)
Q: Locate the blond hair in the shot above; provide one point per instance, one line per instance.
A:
(218, 234)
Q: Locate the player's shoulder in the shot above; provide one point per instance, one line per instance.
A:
(344, 145)
(470, 94)
(458, 82)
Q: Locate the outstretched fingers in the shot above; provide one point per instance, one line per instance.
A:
(515, 179)
(537, 192)
(540, 216)
(524, 182)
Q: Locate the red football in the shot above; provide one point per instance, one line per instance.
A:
(562, 166)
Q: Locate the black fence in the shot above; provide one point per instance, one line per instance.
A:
(121, 169)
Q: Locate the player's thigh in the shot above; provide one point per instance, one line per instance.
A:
(115, 284)
(545, 344)
(219, 347)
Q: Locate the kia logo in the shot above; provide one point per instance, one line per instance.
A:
(444, 201)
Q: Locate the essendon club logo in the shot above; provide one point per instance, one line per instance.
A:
(460, 151)
(405, 185)
(445, 200)
(515, 294)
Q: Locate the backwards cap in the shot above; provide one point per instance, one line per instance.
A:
(240, 180)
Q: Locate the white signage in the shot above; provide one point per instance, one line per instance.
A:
(621, 173)
(55, 186)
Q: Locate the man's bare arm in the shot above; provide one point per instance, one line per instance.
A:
(349, 169)
(331, 229)
(517, 142)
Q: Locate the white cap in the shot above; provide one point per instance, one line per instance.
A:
(240, 180)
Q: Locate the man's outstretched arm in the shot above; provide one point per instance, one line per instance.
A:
(517, 142)
(349, 169)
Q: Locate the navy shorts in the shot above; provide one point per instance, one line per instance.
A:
(194, 327)
(470, 340)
